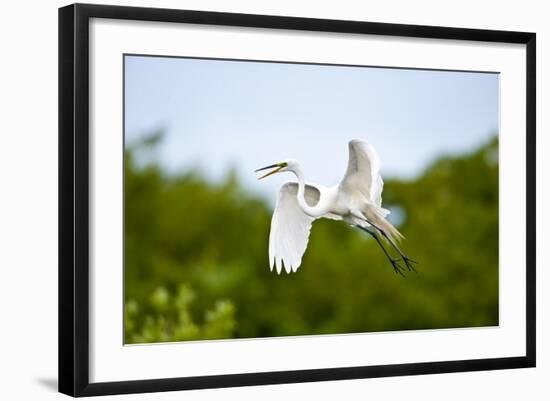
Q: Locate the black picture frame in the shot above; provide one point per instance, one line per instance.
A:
(74, 198)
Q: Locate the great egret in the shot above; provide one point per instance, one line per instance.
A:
(357, 200)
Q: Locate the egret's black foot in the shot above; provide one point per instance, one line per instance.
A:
(409, 263)
(397, 267)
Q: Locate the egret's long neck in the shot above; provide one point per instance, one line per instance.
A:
(312, 211)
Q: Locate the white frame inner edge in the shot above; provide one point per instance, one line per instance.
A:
(110, 360)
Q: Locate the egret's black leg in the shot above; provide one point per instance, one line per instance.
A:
(395, 262)
(408, 261)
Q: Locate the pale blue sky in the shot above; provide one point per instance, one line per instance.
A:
(220, 114)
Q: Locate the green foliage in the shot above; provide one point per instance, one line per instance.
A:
(170, 319)
(196, 258)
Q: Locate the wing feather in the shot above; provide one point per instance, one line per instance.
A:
(290, 228)
(363, 172)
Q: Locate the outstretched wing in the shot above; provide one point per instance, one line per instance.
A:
(363, 172)
(290, 228)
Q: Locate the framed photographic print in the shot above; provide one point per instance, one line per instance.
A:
(251, 199)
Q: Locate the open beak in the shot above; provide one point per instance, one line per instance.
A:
(277, 168)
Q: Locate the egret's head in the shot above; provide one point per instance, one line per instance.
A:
(287, 165)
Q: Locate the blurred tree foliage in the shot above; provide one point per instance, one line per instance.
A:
(196, 258)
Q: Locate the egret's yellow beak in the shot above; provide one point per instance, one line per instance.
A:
(278, 167)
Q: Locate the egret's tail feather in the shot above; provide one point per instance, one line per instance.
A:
(376, 215)
(392, 232)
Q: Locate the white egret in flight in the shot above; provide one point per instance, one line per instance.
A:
(357, 200)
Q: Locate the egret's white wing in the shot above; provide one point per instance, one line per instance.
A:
(290, 228)
(363, 172)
